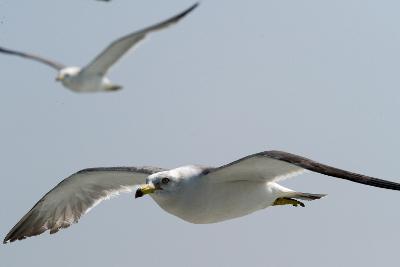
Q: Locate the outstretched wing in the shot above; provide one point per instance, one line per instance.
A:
(48, 62)
(119, 47)
(75, 196)
(273, 165)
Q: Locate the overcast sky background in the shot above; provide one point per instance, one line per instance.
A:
(316, 78)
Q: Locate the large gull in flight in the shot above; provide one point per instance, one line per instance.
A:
(91, 78)
(195, 194)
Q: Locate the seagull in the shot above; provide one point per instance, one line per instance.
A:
(196, 194)
(91, 78)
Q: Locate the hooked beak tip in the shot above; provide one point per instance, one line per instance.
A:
(138, 193)
(145, 189)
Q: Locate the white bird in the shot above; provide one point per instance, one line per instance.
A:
(195, 194)
(91, 78)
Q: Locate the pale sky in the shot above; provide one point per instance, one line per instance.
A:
(315, 78)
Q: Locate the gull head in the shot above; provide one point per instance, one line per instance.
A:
(66, 74)
(168, 182)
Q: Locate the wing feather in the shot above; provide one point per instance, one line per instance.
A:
(51, 63)
(75, 196)
(254, 168)
(314, 166)
(119, 47)
(271, 166)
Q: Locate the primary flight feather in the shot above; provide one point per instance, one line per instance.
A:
(192, 193)
(91, 78)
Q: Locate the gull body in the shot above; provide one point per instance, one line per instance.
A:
(91, 78)
(74, 79)
(195, 194)
(187, 200)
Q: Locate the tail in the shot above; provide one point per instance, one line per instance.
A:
(304, 196)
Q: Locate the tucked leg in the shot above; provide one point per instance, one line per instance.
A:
(287, 201)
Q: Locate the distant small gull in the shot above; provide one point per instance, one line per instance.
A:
(195, 194)
(92, 77)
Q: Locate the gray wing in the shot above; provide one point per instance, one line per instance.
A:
(48, 62)
(75, 196)
(273, 165)
(119, 47)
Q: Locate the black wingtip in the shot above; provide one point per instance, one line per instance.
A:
(195, 5)
(187, 11)
(7, 239)
(5, 50)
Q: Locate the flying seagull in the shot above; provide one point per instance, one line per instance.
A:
(195, 194)
(91, 78)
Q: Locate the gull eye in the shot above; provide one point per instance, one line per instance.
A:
(165, 180)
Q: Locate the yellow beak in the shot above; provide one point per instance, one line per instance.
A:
(145, 189)
(59, 78)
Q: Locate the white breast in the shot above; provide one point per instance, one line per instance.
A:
(87, 83)
(203, 202)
